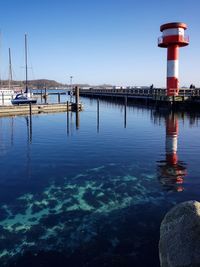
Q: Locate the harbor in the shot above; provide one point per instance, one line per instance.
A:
(99, 134)
(103, 178)
(44, 106)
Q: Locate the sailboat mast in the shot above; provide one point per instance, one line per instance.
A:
(10, 70)
(26, 63)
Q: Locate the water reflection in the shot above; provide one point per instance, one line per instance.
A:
(6, 136)
(89, 202)
(97, 115)
(125, 108)
(28, 120)
(77, 119)
(171, 171)
(71, 122)
(122, 105)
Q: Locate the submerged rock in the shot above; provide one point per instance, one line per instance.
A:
(179, 244)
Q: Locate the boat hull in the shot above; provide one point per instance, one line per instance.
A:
(23, 101)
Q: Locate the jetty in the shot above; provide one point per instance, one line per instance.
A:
(24, 109)
(155, 96)
(37, 109)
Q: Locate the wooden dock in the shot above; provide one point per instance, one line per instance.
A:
(38, 108)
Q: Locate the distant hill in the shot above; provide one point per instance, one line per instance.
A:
(39, 83)
(42, 83)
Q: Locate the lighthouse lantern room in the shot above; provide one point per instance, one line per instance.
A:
(173, 37)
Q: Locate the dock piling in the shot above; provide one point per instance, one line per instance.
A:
(45, 95)
(30, 109)
(77, 97)
(41, 95)
(2, 98)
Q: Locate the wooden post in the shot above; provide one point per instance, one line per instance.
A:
(41, 95)
(67, 106)
(59, 98)
(2, 98)
(77, 97)
(30, 109)
(45, 95)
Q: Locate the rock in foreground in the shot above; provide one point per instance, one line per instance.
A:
(179, 244)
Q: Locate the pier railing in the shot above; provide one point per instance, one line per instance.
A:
(139, 92)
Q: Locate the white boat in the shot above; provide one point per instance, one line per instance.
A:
(6, 95)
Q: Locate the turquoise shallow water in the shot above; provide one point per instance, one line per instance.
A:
(86, 192)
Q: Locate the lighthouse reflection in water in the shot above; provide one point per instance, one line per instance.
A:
(171, 171)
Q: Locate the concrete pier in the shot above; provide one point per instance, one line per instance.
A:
(187, 98)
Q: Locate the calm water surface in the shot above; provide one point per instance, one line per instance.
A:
(89, 190)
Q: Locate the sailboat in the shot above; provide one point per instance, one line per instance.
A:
(24, 98)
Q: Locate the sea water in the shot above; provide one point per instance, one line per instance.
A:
(91, 189)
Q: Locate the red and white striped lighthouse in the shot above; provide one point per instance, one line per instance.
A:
(173, 37)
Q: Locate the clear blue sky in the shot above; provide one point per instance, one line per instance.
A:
(98, 41)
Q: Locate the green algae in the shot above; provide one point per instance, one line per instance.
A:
(67, 213)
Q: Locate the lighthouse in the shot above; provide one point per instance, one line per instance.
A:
(173, 37)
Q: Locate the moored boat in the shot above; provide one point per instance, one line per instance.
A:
(23, 99)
